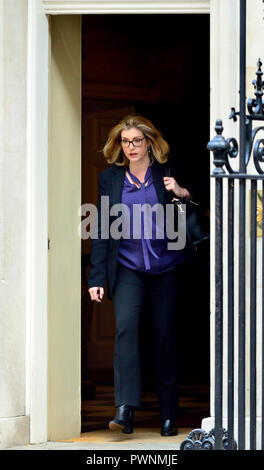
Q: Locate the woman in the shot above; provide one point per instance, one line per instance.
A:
(139, 267)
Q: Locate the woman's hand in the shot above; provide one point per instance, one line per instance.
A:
(172, 185)
(96, 293)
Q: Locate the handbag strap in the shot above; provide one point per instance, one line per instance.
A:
(168, 173)
(167, 169)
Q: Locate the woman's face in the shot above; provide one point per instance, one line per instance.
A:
(139, 150)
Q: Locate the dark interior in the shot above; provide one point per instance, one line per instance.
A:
(159, 65)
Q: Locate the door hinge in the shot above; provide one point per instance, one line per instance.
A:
(48, 243)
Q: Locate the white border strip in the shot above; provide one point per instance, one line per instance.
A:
(121, 7)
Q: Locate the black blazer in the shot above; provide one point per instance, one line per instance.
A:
(104, 253)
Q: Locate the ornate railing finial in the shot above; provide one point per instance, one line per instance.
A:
(256, 112)
(256, 106)
(218, 145)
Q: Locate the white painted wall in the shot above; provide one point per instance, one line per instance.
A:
(14, 424)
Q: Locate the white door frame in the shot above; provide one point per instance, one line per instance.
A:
(62, 7)
(37, 220)
(223, 77)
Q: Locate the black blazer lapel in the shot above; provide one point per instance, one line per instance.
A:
(118, 184)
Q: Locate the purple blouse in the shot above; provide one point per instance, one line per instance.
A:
(147, 253)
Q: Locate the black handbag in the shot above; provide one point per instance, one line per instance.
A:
(197, 223)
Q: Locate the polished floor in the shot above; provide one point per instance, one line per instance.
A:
(193, 407)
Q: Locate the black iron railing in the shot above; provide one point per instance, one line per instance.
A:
(224, 150)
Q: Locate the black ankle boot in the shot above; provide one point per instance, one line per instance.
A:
(169, 427)
(123, 419)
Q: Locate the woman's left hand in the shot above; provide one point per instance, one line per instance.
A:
(172, 185)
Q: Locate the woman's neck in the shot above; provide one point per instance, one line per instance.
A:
(139, 168)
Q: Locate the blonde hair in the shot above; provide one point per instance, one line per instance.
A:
(113, 152)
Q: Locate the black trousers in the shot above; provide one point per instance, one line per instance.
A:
(163, 294)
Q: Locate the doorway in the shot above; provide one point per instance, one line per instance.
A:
(158, 66)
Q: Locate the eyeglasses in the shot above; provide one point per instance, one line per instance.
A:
(135, 142)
